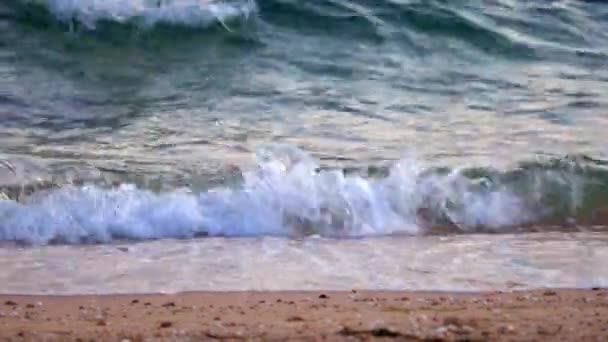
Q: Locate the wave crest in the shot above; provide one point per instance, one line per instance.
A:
(147, 13)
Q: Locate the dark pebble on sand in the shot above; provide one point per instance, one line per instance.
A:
(166, 324)
(30, 306)
(595, 289)
(451, 320)
(10, 302)
(135, 301)
(550, 293)
(377, 332)
(101, 323)
(167, 305)
(323, 296)
(384, 332)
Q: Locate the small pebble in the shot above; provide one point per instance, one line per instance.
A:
(451, 320)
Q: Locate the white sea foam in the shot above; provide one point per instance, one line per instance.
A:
(284, 195)
(190, 13)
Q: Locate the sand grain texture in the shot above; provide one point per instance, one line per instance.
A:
(571, 315)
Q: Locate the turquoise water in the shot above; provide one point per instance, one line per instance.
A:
(135, 119)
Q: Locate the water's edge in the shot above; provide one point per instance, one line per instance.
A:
(457, 263)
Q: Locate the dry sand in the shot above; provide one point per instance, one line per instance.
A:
(541, 315)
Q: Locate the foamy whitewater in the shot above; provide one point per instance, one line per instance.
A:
(147, 13)
(287, 194)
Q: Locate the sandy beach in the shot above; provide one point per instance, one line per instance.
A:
(572, 315)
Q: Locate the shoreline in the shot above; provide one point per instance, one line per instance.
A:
(570, 314)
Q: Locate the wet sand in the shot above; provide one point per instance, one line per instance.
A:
(573, 315)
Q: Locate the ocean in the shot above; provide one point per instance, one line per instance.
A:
(377, 144)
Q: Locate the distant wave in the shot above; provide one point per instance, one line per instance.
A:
(144, 13)
(412, 22)
(504, 28)
(288, 194)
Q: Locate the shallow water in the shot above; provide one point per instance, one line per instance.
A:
(135, 120)
(455, 263)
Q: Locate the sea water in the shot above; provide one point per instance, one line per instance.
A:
(356, 140)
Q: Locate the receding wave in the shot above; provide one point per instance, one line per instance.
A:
(288, 194)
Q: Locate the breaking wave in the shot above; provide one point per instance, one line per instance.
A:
(288, 194)
(143, 13)
(503, 28)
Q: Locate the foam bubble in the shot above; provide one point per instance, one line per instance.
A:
(285, 194)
